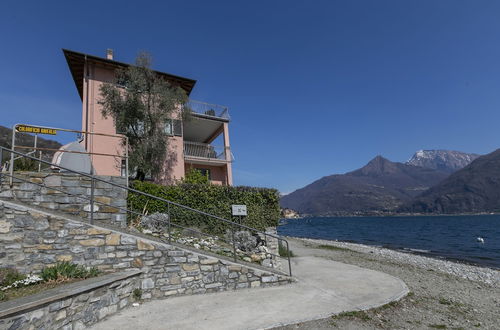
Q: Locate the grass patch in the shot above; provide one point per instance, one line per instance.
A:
(437, 326)
(386, 306)
(444, 301)
(362, 315)
(283, 252)
(35, 288)
(8, 276)
(66, 270)
(14, 284)
(332, 248)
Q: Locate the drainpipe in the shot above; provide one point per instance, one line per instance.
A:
(86, 78)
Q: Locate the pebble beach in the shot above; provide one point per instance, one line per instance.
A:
(469, 272)
(443, 294)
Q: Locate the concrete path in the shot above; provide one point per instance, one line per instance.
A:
(324, 288)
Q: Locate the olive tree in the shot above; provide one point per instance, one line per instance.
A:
(142, 103)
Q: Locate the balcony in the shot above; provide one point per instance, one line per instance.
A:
(202, 153)
(208, 110)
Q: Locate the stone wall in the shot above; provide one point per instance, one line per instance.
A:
(272, 244)
(48, 197)
(31, 240)
(72, 306)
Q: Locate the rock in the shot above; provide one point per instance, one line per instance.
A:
(267, 263)
(141, 245)
(137, 262)
(92, 242)
(244, 240)
(155, 222)
(147, 284)
(52, 181)
(190, 267)
(255, 258)
(5, 226)
(65, 257)
(97, 231)
(128, 240)
(113, 239)
(209, 261)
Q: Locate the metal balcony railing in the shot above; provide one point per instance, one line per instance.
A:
(209, 110)
(207, 151)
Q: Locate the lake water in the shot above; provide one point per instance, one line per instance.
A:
(449, 237)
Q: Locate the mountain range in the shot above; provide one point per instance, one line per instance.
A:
(417, 186)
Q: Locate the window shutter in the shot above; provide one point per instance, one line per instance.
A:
(177, 127)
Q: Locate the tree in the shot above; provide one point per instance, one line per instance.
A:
(142, 104)
(194, 176)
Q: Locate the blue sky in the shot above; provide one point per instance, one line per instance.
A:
(314, 87)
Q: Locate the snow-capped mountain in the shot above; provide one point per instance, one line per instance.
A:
(473, 189)
(443, 160)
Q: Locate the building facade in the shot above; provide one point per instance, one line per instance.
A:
(199, 143)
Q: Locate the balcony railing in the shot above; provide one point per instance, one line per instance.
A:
(207, 109)
(207, 151)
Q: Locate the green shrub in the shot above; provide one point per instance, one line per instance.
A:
(137, 294)
(65, 270)
(9, 276)
(262, 204)
(25, 164)
(194, 176)
(2, 296)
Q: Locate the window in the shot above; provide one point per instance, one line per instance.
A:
(205, 172)
(124, 168)
(169, 127)
(173, 127)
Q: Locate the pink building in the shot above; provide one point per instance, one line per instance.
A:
(201, 143)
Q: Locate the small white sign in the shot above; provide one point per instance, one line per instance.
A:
(239, 209)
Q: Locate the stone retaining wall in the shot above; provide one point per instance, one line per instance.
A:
(31, 240)
(273, 246)
(70, 307)
(48, 197)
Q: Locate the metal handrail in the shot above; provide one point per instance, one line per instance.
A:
(85, 133)
(92, 201)
(208, 109)
(208, 151)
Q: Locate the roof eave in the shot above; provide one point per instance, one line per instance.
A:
(76, 63)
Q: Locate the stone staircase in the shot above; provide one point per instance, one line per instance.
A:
(32, 238)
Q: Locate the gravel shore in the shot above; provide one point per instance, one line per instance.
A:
(444, 294)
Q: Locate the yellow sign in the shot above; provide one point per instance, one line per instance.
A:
(37, 130)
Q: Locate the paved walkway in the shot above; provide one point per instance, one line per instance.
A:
(324, 288)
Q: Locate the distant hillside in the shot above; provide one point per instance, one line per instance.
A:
(473, 189)
(442, 160)
(26, 140)
(380, 186)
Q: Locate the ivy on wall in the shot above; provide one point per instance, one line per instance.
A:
(262, 204)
